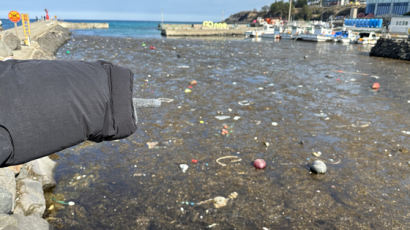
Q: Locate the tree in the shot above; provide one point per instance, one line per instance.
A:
(301, 3)
(265, 9)
(279, 9)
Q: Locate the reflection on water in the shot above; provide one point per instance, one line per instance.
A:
(300, 98)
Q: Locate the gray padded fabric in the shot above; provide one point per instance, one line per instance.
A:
(47, 106)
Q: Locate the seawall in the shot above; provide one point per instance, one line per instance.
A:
(79, 25)
(45, 39)
(391, 48)
(201, 30)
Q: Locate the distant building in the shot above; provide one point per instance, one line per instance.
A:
(387, 7)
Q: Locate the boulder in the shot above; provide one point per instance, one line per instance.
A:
(6, 201)
(53, 39)
(7, 222)
(31, 222)
(12, 41)
(40, 170)
(30, 198)
(5, 51)
(8, 182)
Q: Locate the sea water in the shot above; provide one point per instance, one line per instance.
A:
(117, 28)
(302, 98)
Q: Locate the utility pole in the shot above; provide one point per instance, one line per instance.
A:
(290, 10)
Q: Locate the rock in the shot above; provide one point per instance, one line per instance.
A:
(31, 222)
(12, 41)
(6, 201)
(53, 39)
(318, 166)
(5, 51)
(41, 169)
(7, 222)
(391, 49)
(31, 198)
(8, 182)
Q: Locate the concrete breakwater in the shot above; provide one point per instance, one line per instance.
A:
(45, 39)
(22, 201)
(79, 25)
(203, 30)
(398, 49)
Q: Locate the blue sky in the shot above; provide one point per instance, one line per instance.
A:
(175, 10)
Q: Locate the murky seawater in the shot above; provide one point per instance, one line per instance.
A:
(286, 107)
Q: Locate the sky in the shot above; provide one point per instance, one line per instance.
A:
(172, 10)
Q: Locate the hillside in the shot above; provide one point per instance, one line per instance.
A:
(318, 13)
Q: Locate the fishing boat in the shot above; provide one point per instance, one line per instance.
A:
(272, 31)
(291, 32)
(366, 38)
(320, 33)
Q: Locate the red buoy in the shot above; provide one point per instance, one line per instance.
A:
(152, 47)
(376, 85)
(259, 163)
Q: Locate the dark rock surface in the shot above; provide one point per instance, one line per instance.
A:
(391, 49)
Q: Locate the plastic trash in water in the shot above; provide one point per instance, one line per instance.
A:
(183, 167)
(144, 103)
(244, 103)
(222, 117)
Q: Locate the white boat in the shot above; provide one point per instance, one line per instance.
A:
(271, 31)
(320, 34)
(366, 38)
(253, 33)
(291, 32)
(344, 36)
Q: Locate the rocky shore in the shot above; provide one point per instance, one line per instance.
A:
(398, 49)
(22, 201)
(46, 38)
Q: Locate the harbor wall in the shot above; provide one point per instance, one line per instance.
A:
(203, 30)
(79, 25)
(391, 48)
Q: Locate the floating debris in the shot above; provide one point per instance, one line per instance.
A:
(212, 225)
(220, 201)
(183, 167)
(183, 67)
(236, 118)
(376, 85)
(317, 154)
(152, 145)
(259, 163)
(188, 90)
(361, 124)
(244, 103)
(318, 166)
(221, 118)
(274, 123)
(406, 132)
(234, 159)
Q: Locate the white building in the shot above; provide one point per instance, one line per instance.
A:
(387, 7)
